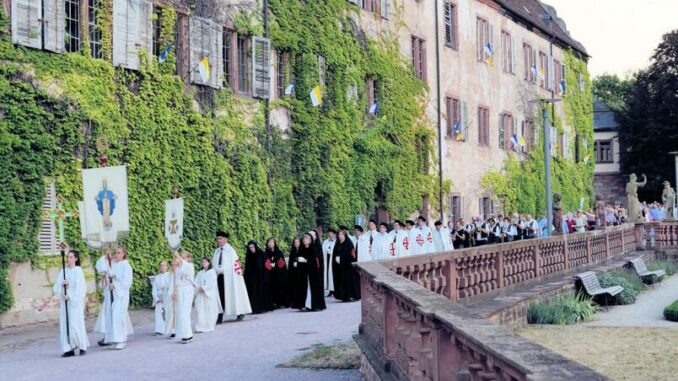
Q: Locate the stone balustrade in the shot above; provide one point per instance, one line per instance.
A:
(410, 333)
(657, 234)
(464, 273)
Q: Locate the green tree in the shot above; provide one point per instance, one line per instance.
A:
(612, 90)
(648, 125)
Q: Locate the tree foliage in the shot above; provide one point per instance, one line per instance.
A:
(649, 126)
(612, 90)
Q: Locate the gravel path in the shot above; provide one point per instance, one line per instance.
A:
(248, 350)
(647, 311)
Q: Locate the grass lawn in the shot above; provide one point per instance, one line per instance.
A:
(345, 355)
(618, 353)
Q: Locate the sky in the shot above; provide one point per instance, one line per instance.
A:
(620, 35)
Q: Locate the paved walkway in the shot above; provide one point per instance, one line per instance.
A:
(247, 350)
(647, 311)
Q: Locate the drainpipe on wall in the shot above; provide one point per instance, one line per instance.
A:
(440, 127)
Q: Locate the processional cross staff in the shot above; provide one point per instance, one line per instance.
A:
(58, 217)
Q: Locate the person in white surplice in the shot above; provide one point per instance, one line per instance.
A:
(328, 248)
(160, 288)
(119, 326)
(207, 306)
(73, 301)
(230, 280)
(184, 274)
(103, 267)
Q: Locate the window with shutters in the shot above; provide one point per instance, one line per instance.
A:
(47, 234)
(370, 85)
(531, 70)
(455, 208)
(543, 70)
(157, 27)
(505, 130)
(482, 38)
(419, 57)
(261, 57)
(603, 150)
(283, 73)
(528, 134)
(483, 126)
(454, 127)
(385, 9)
(206, 50)
(485, 207)
(228, 58)
(27, 23)
(243, 54)
(582, 83)
(556, 75)
(507, 52)
(451, 25)
(322, 70)
(72, 36)
(132, 31)
(369, 5)
(93, 29)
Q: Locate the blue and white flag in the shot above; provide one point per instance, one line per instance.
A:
(563, 86)
(290, 89)
(515, 141)
(163, 55)
(374, 109)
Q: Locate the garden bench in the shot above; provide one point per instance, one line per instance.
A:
(638, 264)
(589, 280)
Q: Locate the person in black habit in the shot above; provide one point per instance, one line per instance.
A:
(316, 271)
(346, 281)
(297, 276)
(258, 278)
(279, 295)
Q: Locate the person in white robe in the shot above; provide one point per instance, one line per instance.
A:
(442, 240)
(381, 243)
(328, 248)
(119, 326)
(424, 237)
(185, 273)
(207, 307)
(400, 240)
(371, 234)
(170, 304)
(71, 289)
(159, 290)
(362, 245)
(233, 292)
(412, 236)
(103, 268)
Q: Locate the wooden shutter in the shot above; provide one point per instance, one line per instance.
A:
(513, 55)
(47, 234)
(448, 23)
(199, 28)
(385, 8)
(145, 40)
(218, 62)
(464, 121)
(261, 67)
(125, 33)
(54, 25)
(27, 23)
(552, 73)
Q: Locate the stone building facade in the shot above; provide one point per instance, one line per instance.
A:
(608, 181)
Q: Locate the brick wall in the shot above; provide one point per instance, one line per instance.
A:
(610, 186)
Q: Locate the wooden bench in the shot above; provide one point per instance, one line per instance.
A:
(638, 264)
(589, 280)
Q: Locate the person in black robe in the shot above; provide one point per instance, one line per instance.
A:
(346, 278)
(297, 277)
(315, 270)
(258, 278)
(278, 274)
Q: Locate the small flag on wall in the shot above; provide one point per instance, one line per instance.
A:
(163, 55)
(489, 53)
(374, 109)
(316, 96)
(290, 89)
(204, 69)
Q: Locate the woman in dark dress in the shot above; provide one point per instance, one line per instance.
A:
(316, 273)
(346, 280)
(258, 278)
(278, 274)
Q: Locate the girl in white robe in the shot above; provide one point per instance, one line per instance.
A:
(207, 305)
(160, 288)
(184, 298)
(119, 326)
(169, 303)
(103, 266)
(73, 301)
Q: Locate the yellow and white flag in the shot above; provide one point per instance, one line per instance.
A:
(316, 96)
(204, 69)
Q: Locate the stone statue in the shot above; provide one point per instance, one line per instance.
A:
(601, 222)
(557, 214)
(632, 198)
(669, 200)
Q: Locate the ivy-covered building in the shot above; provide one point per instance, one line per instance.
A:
(212, 99)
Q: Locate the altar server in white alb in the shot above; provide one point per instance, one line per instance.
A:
(400, 240)
(160, 289)
(183, 295)
(72, 291)
(119, 326)
(328, 249)
(423, 239)
(442, 239)
(362, 245)
(207, 307)
(103, 266)
(230, 280)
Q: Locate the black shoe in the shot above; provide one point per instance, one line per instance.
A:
(186, 341)
(173, 336)
(103, 343)
(331, 293)
(220, 321)
(82, 353)
(240, 317)
(70, 353)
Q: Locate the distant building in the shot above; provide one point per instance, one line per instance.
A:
(608, 181)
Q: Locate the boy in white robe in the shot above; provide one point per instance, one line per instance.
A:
(400, 240)
(412, 237)
(362, 245)
(103, 267)
(119, 326)
(185, 272)
(232, 290)
(207, 306)
(441, 238)
(160, 288)
(73, 304)
(423, 237)
(381, 243)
